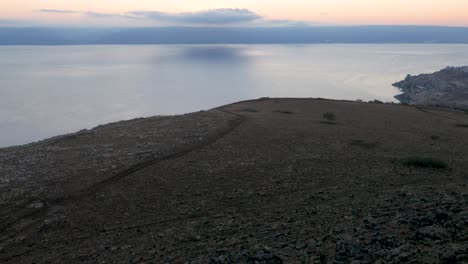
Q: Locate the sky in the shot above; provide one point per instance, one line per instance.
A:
(232, 12)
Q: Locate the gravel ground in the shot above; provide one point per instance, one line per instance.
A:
(264, 181)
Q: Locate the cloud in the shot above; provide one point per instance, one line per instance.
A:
(285, 23)
(212, 17)
(221, 16)
(207, 17)
(102, 15)
(59, 11)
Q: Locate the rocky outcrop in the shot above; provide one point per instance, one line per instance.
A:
(445, 88)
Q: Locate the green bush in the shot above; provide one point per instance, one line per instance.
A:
(284, 112)
(462, 125)
(329, 116)
(424, 162)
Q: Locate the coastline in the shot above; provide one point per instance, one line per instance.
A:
(445, 88)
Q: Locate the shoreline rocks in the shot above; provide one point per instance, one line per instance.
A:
(445, 88)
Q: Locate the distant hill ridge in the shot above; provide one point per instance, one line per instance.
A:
(232, 35)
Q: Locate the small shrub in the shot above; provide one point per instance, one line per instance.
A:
(424, 162)
(466, 112)
(462, 125)
(364, 144)
(284, 112)
(250, 110)
(329, 116)
(434, 137)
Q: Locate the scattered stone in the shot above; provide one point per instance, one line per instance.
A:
(36, 205)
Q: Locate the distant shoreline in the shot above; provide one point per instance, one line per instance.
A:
(234, 35)
(203, 44)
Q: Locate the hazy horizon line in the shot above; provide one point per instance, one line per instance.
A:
(228, 27)
(232, 35)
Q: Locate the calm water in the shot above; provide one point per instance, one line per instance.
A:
(46, 91)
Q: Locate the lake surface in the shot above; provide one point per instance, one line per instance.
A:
(47, 91)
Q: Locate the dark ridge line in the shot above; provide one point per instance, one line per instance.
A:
(286, 98)
(127, 172)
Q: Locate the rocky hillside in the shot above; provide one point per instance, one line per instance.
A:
(263, 181)
(446, 88)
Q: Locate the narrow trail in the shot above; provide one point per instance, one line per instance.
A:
(29, 219)
(140, 166)
(420, 108)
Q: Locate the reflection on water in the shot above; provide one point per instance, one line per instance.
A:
(219, 54)
(46, 91)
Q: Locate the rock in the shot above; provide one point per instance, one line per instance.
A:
(264, 257)
(300, 245)
(427, 220)
(36, 205)
(441, 217)
(431, 232)
(346, 250)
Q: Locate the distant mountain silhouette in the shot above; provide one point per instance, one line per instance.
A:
(213, 35)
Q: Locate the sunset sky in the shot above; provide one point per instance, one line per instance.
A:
(233, 12)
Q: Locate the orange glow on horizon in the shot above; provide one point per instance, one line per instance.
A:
(327, 12)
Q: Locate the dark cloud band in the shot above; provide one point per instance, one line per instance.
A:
(214, 16)
(59, 11)
(220, 16)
